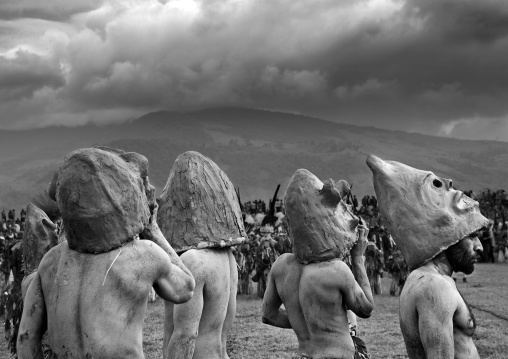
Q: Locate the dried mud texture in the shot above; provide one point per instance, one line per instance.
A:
(199, 207)
(102, 195)
(424, 214)
(38, 238)
(321, 225)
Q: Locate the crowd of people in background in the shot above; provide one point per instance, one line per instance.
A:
(11, 270)
(269, 238)
(493, 205)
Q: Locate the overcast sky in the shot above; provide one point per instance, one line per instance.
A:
(438, 67)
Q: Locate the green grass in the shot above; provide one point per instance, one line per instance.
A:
(486, 291)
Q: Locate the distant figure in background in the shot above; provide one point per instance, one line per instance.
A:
(374, 266)
(39, 237)
(266, 255)
(502, 244)
(398, 269)
(386, 244)
(486, 238)
(355, 203)
(245, 263)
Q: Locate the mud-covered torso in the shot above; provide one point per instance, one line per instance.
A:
(317, 313)
(215, 273)
(90, 313)
(464, 324)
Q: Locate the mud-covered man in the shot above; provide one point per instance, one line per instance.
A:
(313, 283)
(90, 292)
(435, 227)
(201, 218)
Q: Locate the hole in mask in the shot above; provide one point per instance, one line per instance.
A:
(437, 183)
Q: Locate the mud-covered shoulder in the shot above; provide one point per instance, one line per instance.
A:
(52, 258)
(284, 260)
(428, 287)
(149, 253)
(194, 260)
(335, 266)
(145, 246)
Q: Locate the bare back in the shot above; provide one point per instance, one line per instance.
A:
(435, 320)
(87, 312)
(198, 328)
(317, 314)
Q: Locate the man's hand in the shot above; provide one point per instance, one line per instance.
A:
(360, 246)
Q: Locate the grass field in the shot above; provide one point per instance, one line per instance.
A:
(486, 291)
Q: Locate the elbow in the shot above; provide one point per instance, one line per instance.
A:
(187, 291)
(24, 343)
(266, 320)
(365, 311)
(183, 297)
(191, 284)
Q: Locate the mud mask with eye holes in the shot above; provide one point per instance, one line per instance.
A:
(423, 212)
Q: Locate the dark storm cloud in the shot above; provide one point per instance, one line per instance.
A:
(464, 21)
(26, 73)
(425, 68)
(54, 10)
(436, 67)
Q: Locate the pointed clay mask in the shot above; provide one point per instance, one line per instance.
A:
(424, 214)
(199, 207)
(104, 197)
(39, 237)
(321, 225)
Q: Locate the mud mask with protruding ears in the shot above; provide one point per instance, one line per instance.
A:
(424, 214)
(322, 225)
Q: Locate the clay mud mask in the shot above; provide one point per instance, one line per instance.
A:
(101, 194)
(423, 212)
(199, 207)
(321, 225)
(39, 237)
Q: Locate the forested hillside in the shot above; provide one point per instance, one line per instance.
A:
(257, 149)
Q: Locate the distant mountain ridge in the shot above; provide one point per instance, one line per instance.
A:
(258, 149)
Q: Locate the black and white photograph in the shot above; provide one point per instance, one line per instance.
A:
(250, 179)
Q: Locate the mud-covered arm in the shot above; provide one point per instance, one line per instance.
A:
(25, 284)
(170, 282)
(435, 309)
(33, 322)
(179, 275)
(273, 314)
(356, 288)
(186, 318)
